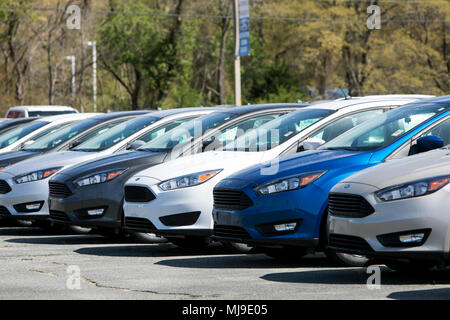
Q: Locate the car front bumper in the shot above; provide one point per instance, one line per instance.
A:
(392, 219)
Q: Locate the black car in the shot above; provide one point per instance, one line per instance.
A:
(73, 198)
(68, 136)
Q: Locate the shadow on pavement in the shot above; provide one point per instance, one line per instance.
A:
(18, 231)
(254, 261)
(45, 238)
(430, 294)
(152, 250)
(359, 276)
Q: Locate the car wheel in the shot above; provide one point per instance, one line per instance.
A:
(413, 266)
(346, 259)
(343, 259)
(190, 242)
(285, 253)
(147, 237)
(78, 229)
(237, 247)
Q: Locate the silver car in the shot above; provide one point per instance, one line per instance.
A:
(24, 186)
(397, 212)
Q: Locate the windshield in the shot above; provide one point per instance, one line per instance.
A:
(277, 131)
(115, 135)
(385, 129)
(56, 137)
(12, 135)
(187, 132)
(49, 113)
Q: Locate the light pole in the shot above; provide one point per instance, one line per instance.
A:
(237, 60)
(93, 44)
(72, 58)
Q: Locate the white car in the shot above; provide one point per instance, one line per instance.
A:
(38, 111)
(16, 138)
(24, 190)
(177, 197)
(397, 212)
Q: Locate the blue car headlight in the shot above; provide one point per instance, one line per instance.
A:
(412, 189)
(98, 177)
(36, 175)
(289, 183)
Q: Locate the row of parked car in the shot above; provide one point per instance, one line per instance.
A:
(357, 178)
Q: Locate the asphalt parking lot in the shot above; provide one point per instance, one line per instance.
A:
(34, 264)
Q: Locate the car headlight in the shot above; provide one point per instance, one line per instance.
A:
(36, 175)
(290, 183)
(413, 189)
(98, 177)
(188, 180)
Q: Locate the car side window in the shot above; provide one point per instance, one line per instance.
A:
(441, 130)
(344, 124)
(163, 129)
(236, 130)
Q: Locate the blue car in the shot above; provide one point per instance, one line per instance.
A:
(285, 213)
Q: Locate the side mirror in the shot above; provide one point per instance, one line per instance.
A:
(136, 145)
(208, 142)
(74, 144)
(27, 143)
(429, 143)
(312, 143)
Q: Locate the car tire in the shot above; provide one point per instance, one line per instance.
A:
(80, 230)
(289, 254)
(237, 247)
(147, 237)
(346, 259)
(190, 242)
(343, 259)
(414, 266)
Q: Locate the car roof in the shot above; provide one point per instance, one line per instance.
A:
(261, 107)
(73, 116)
(42, 108)
(120, 114)
(164, 113)
(352, 101)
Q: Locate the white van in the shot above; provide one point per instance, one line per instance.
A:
(38, 111)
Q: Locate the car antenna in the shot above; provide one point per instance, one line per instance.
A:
(346, 97)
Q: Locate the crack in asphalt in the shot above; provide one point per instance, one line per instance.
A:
(43, 272)
(96, 284)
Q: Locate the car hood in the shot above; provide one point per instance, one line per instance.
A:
(62, 159)
(13, 157)
(421, 166)
(228, 161)
(115, 161)
(308, 161)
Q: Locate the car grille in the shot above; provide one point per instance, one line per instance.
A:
(138, 194)
(231, 199)
(230, 232)
(59, 216)
(139, 224)
(344, 242)
(4, 211)
(59, 190)
(348, 206)
(4, 187)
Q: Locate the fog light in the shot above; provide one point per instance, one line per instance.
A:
(285, 226)
(33, 206)
(411, 238)
(95, 212)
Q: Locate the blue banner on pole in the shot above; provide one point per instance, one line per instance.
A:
(244, 28)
